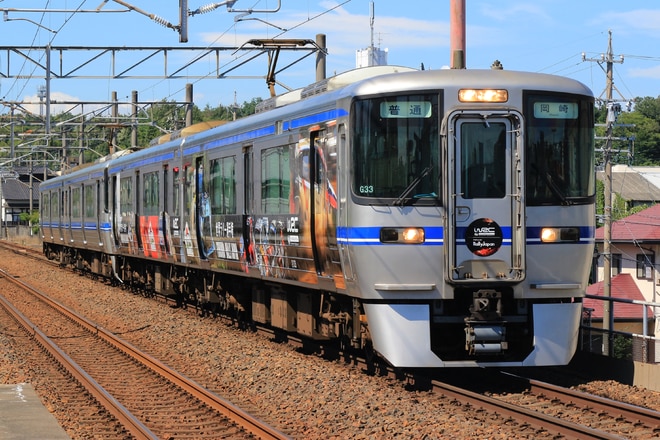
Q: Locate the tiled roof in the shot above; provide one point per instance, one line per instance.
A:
(638, 184)
(623, 286)
(643, 226)
(15, 190)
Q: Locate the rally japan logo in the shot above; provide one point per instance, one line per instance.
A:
(483, 237)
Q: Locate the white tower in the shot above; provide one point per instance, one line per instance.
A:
(371, 56)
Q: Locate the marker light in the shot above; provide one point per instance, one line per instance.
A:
(483, 95)
(556, 235)
(402, 235)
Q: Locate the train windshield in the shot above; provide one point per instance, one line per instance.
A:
(395, 149)
(559, 151)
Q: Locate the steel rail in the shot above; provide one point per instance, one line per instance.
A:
(543, 421)
(125, 417)
(234, 413)
(647, 416)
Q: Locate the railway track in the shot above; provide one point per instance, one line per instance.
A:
(532, 408)
(600, 413)
(566, 412)
(144, 396)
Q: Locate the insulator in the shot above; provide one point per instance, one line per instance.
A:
(161, 21)
(206, 8)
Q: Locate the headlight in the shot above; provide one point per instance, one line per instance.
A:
(483, 95)
(402, 235)
(557, 235)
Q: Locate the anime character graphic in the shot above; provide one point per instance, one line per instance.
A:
(203, 210)
(314, 200)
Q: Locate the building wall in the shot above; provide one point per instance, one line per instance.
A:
(647, 285)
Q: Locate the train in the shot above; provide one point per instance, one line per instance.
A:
(430, 218)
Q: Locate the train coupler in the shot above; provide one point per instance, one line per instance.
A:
(485, 338)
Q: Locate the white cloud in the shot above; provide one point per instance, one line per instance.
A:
(59, 103)
(651, 72)
(638, 21)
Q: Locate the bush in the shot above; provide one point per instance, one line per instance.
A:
(32, 219)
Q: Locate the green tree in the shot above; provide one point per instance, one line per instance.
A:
(646, 135)
(32, 218)
(648, 107)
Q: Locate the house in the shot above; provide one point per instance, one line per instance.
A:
(19, 193)
(636, 186)
(634, 244)
(626, 315)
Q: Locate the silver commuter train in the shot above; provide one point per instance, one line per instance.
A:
(437, 218)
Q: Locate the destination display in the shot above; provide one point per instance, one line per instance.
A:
(405, 109)
(555, 110)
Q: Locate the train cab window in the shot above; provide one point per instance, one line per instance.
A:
(559, 151)
(483, 160)
(395, 149)
(275, 180)
(223, 186)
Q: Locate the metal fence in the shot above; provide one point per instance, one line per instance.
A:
(643, 346)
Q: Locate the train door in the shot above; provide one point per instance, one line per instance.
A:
(86, 208)
(57, 210)
(205, 244)
(76, 221)
(105, 214)
(248, 251)
(150, 214)
(99, 214)
(126, 218)
(165, 223)
(486, 234)
(175, 219)
(188, 232)
(342, 196)
(114, 210)
(66, 215)
(323, 203)
(138, 212)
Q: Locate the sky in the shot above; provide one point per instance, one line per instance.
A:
(547, 36)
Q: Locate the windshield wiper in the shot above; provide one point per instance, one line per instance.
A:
(549, 181)
(399, 201)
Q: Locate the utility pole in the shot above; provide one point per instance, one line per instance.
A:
(613, 111)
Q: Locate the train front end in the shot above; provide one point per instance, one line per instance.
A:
(469, 232)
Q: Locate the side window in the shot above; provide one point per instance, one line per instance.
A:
(275, 180)
(223, 186)
(151, 193)
(644, 262)
(66, 200)
(126, 195)
(45, 206)
(75, 202)
(616, 264)
(90, 204)
(54, 205)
